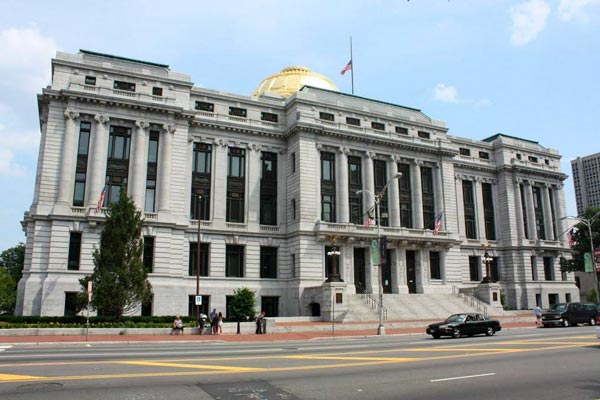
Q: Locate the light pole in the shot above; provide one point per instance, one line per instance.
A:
(198, 261)
(588, 222)
(334, 253)
(486, 261)
(377, 198)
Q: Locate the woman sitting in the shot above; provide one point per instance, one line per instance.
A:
(177, 326)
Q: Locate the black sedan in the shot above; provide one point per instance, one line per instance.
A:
(464, 324)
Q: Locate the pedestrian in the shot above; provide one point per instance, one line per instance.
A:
(220, 324)
(177, 326)
(259, 322)
(201, 323)
(538, 316)
(213, 322)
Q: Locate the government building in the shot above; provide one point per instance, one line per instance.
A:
(287, 191)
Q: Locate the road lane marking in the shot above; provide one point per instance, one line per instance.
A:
(2, 348)
(313, 357)
(462, 377)
(192, 366)
(14, 378)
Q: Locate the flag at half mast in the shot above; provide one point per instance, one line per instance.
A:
(347, 68)
(438, 223)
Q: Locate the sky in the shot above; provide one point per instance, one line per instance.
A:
(526, 68)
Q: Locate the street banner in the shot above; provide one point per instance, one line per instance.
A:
(375, 252)
(382, 250)
(587, 262)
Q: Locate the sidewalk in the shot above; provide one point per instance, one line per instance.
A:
(286, 331)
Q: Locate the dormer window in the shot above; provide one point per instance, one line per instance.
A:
(424, 135)
(484, 155)
(127, 86)
(204, 106)
(532, 159)
(353, 121)
(402, 130)
(378, 126)
(90, 80)
(238, 112)
(464, 151)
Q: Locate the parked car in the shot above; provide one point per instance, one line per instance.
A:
(567, 314)
(464, 324)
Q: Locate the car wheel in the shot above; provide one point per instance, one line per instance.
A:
(456, 332)
(436, 335)
(490, 331)
(565, 322)
(592, 321)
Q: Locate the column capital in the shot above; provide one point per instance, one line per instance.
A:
(71, 114)
(371, 154)
(417, 162)
(344, 150)
(318, 146)
(220, 142)
(142, 125)
(169, 128)
(254, 146)
(394, 158)
(101, 118)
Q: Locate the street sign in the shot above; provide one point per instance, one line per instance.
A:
(375, 252)
(587, 262)
(198, 300)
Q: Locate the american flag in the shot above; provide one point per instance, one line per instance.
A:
(101, 200)
(571, 236)
(438, 223)
(347, 68)
(369, 222)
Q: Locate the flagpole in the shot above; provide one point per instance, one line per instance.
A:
(352, 61)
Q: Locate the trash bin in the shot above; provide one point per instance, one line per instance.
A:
(268, 325)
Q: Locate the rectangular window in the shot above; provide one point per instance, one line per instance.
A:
(193, 259)
(534, 274)
(79, 192)
(353, 121)
(236, 162)
(464, 152)
(82, 160)
(268, 189)
(401, 130)
(484, 155)
(538, 208)
(354, 170)
(424, 135)
(488, 211)
(293, 161)
(435, 265)
(519, 156)
(469, 209)
(201, 181)
(524, 210)
(532, 159)
(293, 201)
(148, 257)
(157, 91)
(118, 143)
(268, 262)
(327, 208)
(355, 203)
(236, 185)
(74, 251)
(90, 80)
(128, 86)
(238, 112)
(70, 303)
(270, 305)
(354, 185)
(328, 187)
(428, 197)
(380, 179)
(202, 158)
(494, 270)
(293, 261)
(549, 268)
(378, 126)
(117, 165)
(147, 307)
(474, 269)
(235, 207)
(326, 116)
(269, 117)
(405, 196)
(204, 106)
(234, 261)
(327, 166)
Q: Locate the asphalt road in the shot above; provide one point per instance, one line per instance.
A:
(561, 363)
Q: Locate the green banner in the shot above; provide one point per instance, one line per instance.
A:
(375, 252)
(587, 262)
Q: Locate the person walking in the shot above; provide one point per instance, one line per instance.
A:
(201, 323)
(538, 316)
(220, 324)
(259, 322)
(213, 320)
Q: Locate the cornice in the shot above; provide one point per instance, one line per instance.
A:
(233, 128)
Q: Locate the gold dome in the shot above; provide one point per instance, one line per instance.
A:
(291, 79)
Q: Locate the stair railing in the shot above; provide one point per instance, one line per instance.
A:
(471, 300)
(370, 299)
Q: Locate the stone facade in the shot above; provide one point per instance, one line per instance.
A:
(513, 186)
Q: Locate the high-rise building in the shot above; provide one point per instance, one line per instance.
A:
(283, 185)
(586, 179)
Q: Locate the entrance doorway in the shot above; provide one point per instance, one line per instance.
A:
(411, 271)
(359, 270)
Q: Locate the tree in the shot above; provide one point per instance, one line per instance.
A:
(242, 304)
(120, 283)
(11, 271)
(581, 239)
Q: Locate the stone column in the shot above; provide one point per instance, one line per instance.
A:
(139, 164)
(394, 196)
(282, 199)
(478, 194)
(369, 180)
(460, 205)
(343, 210)
(438, 197)
(219, 198)
(164, 170)
(530, 210)
(253, 192)
(519, 209)
(548, 226)
(558, 209)
(98, 163)
(68, 160)
(417, 193)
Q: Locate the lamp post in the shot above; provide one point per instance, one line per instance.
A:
(588, 222)
(377, 198)
(198, 260)
(334, 253)
(486, 261)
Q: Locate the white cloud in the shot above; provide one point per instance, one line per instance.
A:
(528, 19)
(575, 9)
(24, 58)
(442, 92)
(15, 144)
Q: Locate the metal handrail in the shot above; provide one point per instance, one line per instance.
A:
(371, 300)
(471, 300)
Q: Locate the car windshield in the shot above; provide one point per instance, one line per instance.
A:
(456, 318)
(558, 307)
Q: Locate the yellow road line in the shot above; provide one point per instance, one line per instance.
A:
(15, 378)
(393, 359)
(193, 366)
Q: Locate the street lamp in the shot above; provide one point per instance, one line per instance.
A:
(198, 261)
(588, 222)
(486, 261)
(334, 253)
(377, 198)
